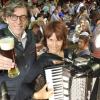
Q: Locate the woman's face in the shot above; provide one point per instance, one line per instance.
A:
(53, 44)
(84, 24)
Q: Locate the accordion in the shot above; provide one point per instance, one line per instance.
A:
(58, 78)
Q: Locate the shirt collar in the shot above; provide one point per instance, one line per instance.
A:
(24, 35)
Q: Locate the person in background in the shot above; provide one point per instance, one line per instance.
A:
(55, 16)
(81, 4)
(45, 8)
(52, 7)
(17, 17)
(2, 23)
(82, 15)
(83, 26)
(96, 31)
(60, 12)
(37, 34)
(83, 45)
(81, 85)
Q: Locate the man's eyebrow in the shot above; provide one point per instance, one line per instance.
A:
(20, 15)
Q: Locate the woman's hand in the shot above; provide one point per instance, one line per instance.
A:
(43, 93)
(6, 63)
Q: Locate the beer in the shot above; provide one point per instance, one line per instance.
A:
(7, 47)
(7, 50)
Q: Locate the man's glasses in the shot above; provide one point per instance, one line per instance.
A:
(15, 17)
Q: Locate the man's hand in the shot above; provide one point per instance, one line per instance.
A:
(6, 63)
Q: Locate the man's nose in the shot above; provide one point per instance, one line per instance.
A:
(19, 20)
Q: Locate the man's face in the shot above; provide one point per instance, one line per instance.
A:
(18, 21)
(81, 44)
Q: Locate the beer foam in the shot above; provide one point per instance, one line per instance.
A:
(7, 43)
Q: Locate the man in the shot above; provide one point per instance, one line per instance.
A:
(83, 49)
(79, 86)
(81, 4)
(55, 16)
(16, 16)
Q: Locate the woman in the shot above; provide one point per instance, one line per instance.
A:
(83, 26)
(56, 44)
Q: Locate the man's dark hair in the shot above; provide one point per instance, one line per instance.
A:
(10, 6)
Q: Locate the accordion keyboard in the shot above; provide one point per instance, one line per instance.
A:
(58, 82)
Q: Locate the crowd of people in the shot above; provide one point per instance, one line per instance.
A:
(43, 33)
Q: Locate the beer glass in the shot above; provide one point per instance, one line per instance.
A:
(7, 50)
